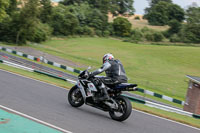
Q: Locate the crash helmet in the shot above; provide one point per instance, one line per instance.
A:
(107, 57)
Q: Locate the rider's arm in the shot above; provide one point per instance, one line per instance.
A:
(105, 66)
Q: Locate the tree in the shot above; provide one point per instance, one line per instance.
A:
(163, 12)
(71, 2)
(114, 6)
(154, 2)
(28, 20)
(82, 12)
(97, 20)
(46, 11)
(63, 22)
(193, 15)
(126, 6)
(175, 12)
(191, 33)
(157, 15)
(122, 27)
(4, 4)
(12, 8)
(102, 5)
(89, 17)
(7, 32)
(175, 27)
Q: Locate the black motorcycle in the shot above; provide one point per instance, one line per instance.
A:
(85, 91)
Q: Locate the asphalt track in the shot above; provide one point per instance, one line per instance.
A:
(49, 103)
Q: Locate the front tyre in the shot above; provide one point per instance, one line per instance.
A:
(75, 97)
(124, 109)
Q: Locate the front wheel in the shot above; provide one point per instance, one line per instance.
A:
(75, 97)
(124, 109)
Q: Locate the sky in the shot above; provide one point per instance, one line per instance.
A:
(140, 5)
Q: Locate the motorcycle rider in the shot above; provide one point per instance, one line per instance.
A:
(115, 74)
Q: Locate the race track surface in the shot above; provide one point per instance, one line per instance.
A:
(49, 103)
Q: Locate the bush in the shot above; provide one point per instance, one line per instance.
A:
(175, 38)
(146, 30)
(191, 33)
(149, 37)
(154, 37)
(137, 18)
(98, 33)
(110, 28)
(122, 27)
(106, 33)
(158, 36)
(136, 35)
(85, 31)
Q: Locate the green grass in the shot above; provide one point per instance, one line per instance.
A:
(161, 69)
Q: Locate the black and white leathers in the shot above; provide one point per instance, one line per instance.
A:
(114, 70)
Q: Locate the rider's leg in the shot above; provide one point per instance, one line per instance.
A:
(105, 92)
(103, 86)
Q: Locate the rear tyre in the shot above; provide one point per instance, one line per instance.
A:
(75, 97)
(124, 110)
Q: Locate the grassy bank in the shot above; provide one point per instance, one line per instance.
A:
(161, 69)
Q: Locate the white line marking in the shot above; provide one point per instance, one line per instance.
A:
(166, 119)
(132, 109)
(34, 119)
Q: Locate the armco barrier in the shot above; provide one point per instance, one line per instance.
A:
(79, 71)
(161, 96)
(148, 103)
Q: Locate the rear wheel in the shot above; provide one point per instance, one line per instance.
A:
(75, 97)
(124, 109)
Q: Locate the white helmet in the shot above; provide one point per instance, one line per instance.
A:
(107, 57)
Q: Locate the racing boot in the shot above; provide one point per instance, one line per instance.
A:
(105, 95)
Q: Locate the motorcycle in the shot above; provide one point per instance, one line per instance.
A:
(85, 91)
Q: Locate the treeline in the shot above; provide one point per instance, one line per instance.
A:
(36, 20)
(184, 25)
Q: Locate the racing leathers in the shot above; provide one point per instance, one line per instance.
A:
(115, 74)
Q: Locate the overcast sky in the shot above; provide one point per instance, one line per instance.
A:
(140, 5)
